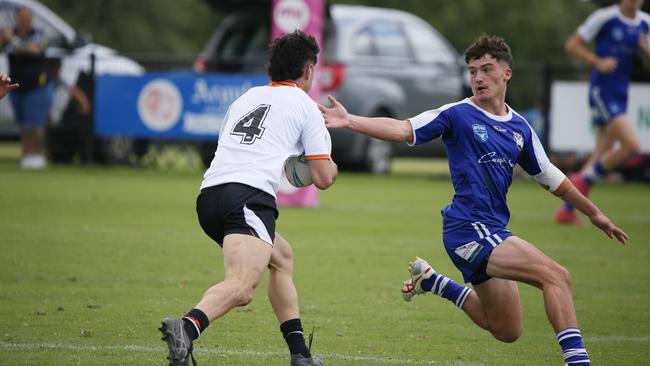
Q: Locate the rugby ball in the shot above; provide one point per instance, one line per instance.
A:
(296, 169)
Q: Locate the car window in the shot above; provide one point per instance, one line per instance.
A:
(363, 43)
(256, 47)
(234, 43)
(242, 47)
(428, 46)
(389, 40)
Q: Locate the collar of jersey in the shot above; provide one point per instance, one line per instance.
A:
(283, 83)
(633, 22)
(505, 118)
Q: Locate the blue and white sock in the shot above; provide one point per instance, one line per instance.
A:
(445, 287)
(595, 173)
(575, 353)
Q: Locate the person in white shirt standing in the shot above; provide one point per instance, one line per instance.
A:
(236, 206)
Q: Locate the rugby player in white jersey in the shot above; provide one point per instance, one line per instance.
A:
(485, 139)
(236, 206)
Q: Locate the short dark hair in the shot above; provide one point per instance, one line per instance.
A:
(492, 45)
(289, 54)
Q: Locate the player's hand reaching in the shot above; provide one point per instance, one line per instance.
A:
(6, 86)
(603, 223)
(335, 117)
(606, 65)
(644, 44)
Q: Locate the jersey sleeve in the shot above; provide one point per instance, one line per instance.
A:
(315, 137)
(592, 25)
(534, 161)
(429, 125)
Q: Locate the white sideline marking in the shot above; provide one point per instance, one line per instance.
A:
(373, 359)
(151, 349)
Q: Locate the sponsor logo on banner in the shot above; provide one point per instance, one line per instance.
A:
(290, 15)
(480, 132)
(160, 104)
(469, 251)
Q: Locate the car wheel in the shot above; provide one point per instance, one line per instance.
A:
(378, 156)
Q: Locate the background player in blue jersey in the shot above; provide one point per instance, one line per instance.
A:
(620, 32)
(485, 139)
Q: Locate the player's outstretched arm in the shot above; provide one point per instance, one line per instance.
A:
(582, 203)
(644, 45)
(384, 128)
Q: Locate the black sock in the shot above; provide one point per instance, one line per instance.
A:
(292, 332)
(195, 322)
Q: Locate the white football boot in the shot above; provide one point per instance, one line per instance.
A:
(420, 270)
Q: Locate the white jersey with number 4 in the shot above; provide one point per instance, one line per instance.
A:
(261, 129)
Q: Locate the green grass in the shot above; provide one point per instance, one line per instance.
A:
(91, 259)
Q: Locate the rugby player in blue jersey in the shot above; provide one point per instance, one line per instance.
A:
(620, 32)
(485, 138)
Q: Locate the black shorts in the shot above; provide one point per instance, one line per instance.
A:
(235, 208)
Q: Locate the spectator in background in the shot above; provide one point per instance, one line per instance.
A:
(25, 47)
(620, 32)
(6, 86)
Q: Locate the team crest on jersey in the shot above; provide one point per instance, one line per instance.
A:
(480, 132)
(519, 139)
(469, 251)
(618, 34)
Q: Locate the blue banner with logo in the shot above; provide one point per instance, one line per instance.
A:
(167, 105)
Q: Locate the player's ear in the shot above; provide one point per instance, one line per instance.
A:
(308, 72)
(508, 74)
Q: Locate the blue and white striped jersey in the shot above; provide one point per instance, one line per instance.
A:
(482, 149)
(616, 36)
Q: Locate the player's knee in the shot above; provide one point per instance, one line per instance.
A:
(557, 275)
(633, 147)
(243, 296)
(507, 335)
(282, 258)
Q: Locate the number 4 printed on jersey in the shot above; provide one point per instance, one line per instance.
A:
(249, 127)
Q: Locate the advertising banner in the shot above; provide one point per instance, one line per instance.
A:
(307, 16)
(169, 105)
(570, 117)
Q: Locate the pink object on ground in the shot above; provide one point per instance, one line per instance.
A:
(299, 197)
(567, 216)
(580, 183)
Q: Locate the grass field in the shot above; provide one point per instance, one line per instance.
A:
(92, 258)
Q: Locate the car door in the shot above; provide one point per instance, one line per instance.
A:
(380, 62)
(439, 79)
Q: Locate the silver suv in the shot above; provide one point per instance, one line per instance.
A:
(376, 61)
